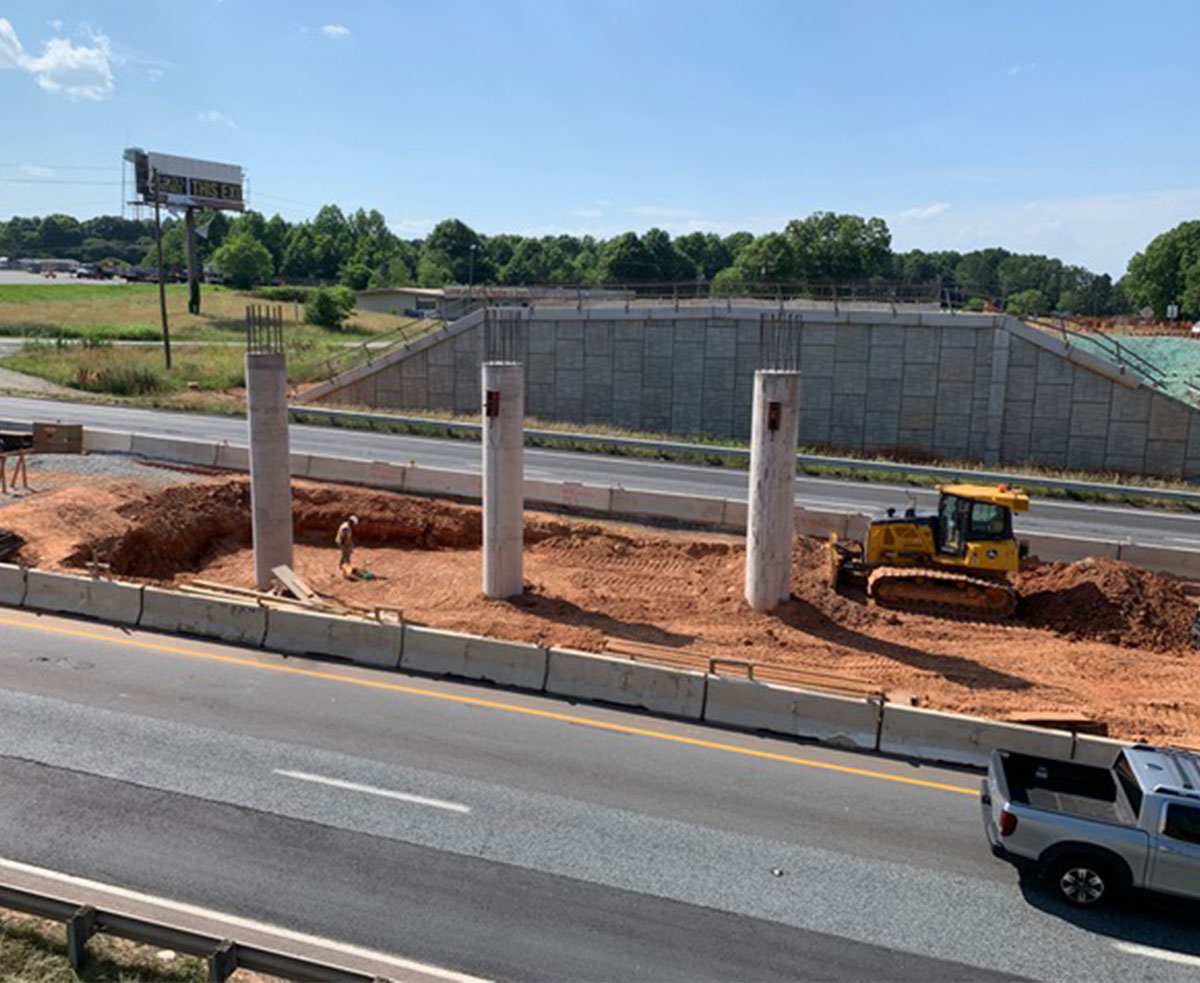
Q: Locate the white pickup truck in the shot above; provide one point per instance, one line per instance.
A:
(1095, 832)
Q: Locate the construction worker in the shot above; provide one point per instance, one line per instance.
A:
(345, 539)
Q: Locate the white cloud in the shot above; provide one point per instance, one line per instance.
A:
(77, 71)
(919, 214)
(336, 31)
(154, 74)
(55, 26)
(36, 170)
(215, 116)
(1100, 232)
(589, 212)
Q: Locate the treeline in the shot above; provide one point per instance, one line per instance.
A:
(359, 251)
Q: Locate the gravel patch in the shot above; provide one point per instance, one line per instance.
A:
(30, 383)
(57, 467)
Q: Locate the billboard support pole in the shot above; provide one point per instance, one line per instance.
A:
(193, 265)
(162, 286)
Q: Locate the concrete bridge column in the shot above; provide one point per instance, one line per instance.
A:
(270, 463)
(770, 522)
(503, 478)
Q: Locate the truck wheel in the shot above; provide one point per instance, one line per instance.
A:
(1083, 881)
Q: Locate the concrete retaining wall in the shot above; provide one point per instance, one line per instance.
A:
(208, 617)
(448, 653)
(674, 692)
(958, 386)
(307, 633)
(934, 736)
(106, 600)
(837, 720)
(12, 585)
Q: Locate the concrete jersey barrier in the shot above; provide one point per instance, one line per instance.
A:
(932, 735)
(106, 600)
(12, 585)
(837, 720)
(207, 617)
(449, 653)
(369, 643)
(659, 689)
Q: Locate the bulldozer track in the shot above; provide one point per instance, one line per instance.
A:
(951, 607)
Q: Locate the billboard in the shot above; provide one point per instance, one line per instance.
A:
(186, 182)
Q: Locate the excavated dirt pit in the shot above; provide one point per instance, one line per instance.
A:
(1097, 638)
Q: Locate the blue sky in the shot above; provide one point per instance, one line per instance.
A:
(1064, 128)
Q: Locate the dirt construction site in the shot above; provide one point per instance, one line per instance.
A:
(1096, 639)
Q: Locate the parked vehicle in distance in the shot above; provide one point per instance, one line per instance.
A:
(1093, 833)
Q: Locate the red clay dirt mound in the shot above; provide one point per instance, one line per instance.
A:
(180, 528)
(1107, 601)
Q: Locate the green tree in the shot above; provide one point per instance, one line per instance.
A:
(527, 264)
(300, 253)
(329, 307)
(59, 233)
(625, 259)
(244, 260)
(672, 265)
(978, 273)
(768, 259)
(707, 251)
(839, 248)
(1027, 303)
(455, 247)
(1163, 273)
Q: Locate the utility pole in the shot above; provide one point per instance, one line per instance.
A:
(162, 285)
(193, 264)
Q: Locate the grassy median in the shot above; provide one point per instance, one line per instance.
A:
(35, 950)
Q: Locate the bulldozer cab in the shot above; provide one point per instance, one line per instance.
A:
(978, 519)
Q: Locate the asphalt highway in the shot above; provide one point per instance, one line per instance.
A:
(516, 836)
(1053, 516)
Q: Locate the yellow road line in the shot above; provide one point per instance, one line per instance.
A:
(491, 705)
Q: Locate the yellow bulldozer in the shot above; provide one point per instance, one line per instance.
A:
(956, 561)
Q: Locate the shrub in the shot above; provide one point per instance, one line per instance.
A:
(329, 308)
(122, 380)
(300, 295)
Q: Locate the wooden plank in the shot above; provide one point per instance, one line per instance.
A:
(293, 582)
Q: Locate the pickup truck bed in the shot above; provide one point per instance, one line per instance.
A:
(1066, 787)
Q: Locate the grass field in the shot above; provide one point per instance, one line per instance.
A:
(72, 329)
(131, 312)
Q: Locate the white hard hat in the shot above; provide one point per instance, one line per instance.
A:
(354, 520)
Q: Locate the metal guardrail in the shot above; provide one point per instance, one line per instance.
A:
(1112, 348)
(352, 356)
(474, 431)
(222, 955)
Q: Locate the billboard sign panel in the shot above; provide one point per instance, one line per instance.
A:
(186, 182)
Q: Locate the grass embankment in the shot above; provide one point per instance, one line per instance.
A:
(35, 951)
(130, 312)
(75, 330)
